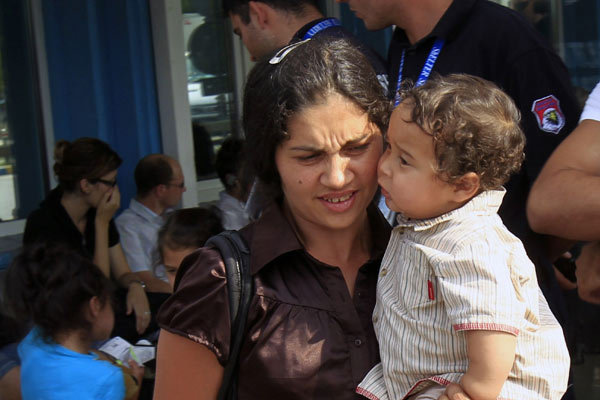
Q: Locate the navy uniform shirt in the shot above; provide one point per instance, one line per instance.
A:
(339, 32)
(496, 43)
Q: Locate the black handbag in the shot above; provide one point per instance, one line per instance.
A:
(236, 257)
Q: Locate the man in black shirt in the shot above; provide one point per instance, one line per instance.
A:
(267, 25)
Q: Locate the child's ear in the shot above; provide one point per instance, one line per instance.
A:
(466, 187)
(95, 307)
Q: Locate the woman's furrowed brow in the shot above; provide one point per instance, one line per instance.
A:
(352, 142)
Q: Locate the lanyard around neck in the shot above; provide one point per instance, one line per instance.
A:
(425, 72)
(321, 26)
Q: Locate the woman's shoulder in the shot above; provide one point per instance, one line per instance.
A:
(198, 309)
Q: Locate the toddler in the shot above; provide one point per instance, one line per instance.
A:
(68, 299)
(457, 296)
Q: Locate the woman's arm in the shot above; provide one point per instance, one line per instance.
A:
(185, 369)
(106, 209)
(491, 356)
(137, 301)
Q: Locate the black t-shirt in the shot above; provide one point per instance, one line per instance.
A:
(51, 224)
(375, 60)
(496, 43)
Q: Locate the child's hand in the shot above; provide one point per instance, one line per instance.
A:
(454, 392)
(137, 371)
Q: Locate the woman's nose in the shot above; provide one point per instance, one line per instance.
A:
(337, 174)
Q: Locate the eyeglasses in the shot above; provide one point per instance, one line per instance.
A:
(179, 185)
(104, 181)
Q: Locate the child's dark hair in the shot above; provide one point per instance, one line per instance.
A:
(189, 228)
(474, 124)
(305, 77)
(88, 158)
(51, 285)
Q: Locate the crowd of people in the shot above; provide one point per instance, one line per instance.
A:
(403, 219)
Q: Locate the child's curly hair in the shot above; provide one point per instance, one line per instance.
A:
(474, 124)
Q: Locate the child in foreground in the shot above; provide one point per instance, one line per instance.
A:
(68, 299)
(457, 297)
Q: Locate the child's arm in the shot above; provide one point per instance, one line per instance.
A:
(491, 356)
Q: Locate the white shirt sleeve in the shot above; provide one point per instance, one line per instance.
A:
(592, 105)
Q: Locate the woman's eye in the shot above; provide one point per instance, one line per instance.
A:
(309, 157)
(402, 161)
(358, 149)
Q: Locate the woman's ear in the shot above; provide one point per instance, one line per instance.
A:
(85, 186)
(466, 187)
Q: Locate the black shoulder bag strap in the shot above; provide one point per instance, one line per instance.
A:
(236, 257)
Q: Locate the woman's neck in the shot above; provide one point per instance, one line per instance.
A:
(75, 206)
(345, 248)
(76, 341)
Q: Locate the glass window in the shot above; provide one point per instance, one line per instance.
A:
(208, 55)
(22, 179)
(573, 28)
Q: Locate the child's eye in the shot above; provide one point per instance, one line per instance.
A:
(403, 161)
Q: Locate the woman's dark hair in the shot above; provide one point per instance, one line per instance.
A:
(189, 228)
(84, 158)
(51, 285)
(304, 77)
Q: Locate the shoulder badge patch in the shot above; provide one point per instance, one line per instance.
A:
(550, 117)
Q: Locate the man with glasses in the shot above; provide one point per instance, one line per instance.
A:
(160, 185)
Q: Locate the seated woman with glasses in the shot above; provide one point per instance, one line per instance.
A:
(79, 213)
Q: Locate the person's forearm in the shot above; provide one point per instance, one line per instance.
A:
(491, 356)
(101, 258)
(566, 204)
(153, 284)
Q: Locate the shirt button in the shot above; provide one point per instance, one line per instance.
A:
(383, 272)
(359, 293)
(357, 342)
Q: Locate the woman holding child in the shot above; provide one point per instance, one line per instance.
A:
(314, 115)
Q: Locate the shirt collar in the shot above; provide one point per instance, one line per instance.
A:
(485, 203)
(144, 212)
(272, 236)
(302, 31)
(452, 21)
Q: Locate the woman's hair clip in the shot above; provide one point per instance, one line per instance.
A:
(280, 55)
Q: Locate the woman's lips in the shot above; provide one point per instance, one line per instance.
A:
(338, 202)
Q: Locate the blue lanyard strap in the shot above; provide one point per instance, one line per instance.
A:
(325, 24)
(425, 72)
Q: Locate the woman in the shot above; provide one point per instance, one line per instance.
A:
(313, 116)
(78, 213)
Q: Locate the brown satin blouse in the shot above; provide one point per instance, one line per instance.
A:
(307, 337)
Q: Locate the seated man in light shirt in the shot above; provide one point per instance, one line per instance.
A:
(160, 185)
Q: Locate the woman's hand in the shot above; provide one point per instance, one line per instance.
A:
(454, 392)
(108, 206)
(137, 301)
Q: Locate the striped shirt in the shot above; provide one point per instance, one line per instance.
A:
(461, 271)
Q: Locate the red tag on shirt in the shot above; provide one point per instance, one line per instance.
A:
(430, 290)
